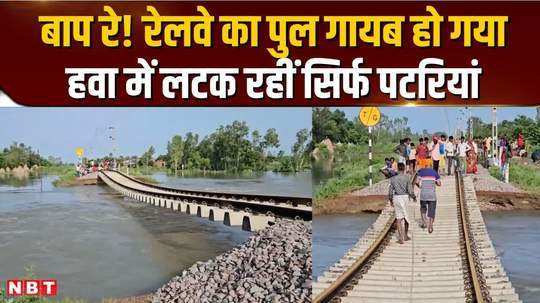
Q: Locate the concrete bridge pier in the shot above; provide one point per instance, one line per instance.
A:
(203, 211)
(234, 218)
(175, 205)
(193, 205)
(191, 208)
(182, 207)
(216, 214)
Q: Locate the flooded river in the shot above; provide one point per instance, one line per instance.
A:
(515, 235)
(268, 183)
(99, 245)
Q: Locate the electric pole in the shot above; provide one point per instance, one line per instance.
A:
(112, 139)
(494, 134)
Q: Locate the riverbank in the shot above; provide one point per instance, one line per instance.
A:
(493, 195)
(349, 169)
(524, 174)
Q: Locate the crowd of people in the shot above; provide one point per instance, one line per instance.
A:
(446, 154)
(423, 164)
(443, 154)
(93, 166)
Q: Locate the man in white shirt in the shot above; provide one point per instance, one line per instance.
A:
(450, 152)
(462, 149)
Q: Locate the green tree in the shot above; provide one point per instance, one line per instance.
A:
(299, 149)
(190, 145)
(271, 139)
(19, 154)
(147, 156)
(175, 152)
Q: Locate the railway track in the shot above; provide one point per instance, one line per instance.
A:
(456, 263)
(280, 206)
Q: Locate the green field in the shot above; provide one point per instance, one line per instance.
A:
(525, 176)
(351, 169)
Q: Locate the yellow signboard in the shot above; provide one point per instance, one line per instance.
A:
(370, 116)
(79, 151)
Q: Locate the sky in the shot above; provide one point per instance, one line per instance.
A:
(445, 119)
(59, 131)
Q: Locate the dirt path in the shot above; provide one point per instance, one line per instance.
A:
(484, 182)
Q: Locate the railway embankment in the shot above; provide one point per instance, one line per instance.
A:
(274, 265)
(493, 195)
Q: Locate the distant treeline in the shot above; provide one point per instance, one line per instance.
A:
(232, 147)
(18, 154)
(335, 126)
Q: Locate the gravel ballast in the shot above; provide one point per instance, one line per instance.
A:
(274, 265)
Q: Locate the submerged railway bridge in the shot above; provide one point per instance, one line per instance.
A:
(248, 211)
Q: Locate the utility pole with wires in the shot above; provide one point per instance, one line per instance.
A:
(470, 122)
(40, 175)
(494, 135)
(112, 140)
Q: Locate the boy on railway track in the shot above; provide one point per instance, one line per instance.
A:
(399, 193)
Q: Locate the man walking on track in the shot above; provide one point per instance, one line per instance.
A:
(399, 193)
(428, 179)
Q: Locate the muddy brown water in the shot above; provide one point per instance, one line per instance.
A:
(99, 245)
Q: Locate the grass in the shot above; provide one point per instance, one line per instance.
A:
(525, 176)
(57, 169)
(351, 170)
(30, 299)
(67, 179)
(67, 175)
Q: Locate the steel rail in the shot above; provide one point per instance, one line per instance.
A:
(342, 281)
(475, 278)
(263, 208)
(274, 198)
